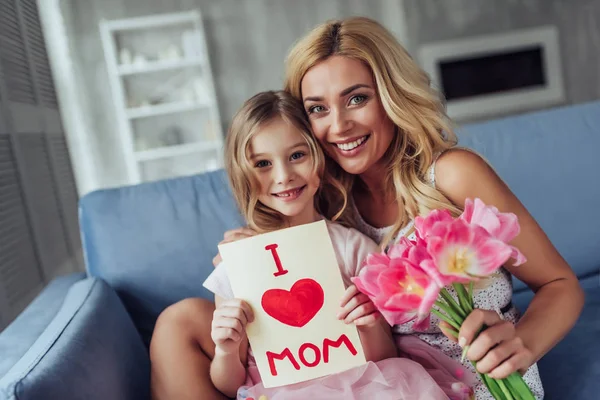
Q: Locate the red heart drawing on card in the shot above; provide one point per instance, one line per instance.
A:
(297, 306)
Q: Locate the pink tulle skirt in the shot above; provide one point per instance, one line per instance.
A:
(422, 372)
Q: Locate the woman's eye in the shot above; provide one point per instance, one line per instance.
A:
(262, 164)
(297, 155)
(316, 109)
(358, 99)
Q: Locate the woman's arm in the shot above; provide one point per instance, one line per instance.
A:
(375, 333)
(558, 299)
(227, 369)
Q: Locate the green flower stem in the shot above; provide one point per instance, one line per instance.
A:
(489, 383)
(452, 303)
(493, 387)
(452, 332)
(470, 293)
(463, 297)
(517, 384)
(504, 389)
(511, 388)
(445, 318)
(450, 312)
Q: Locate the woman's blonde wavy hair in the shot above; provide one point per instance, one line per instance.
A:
(255, 114)
(423, 129)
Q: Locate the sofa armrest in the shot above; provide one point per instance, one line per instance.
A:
(22, 333)
(90, 350)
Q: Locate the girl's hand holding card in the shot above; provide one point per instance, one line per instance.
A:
(358, 309)
(229, 325)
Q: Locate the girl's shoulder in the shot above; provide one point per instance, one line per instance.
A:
(347, 235)
(352, 248)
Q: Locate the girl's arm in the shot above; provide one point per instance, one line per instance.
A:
(228, 367)
(558, 301)
(375, 333)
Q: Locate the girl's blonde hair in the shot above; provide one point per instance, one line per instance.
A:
(254, 115)
(423, 129)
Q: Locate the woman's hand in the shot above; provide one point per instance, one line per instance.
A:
(497, 350)
(357, 308)
(232, 236)
(229, 325)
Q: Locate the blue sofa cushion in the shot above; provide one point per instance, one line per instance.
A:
(90, 350)
(550, 161)
(154, 243)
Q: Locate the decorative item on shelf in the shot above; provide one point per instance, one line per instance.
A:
(140, 60)
(142, 143)
(164, 93)
(173, 52)
(172, 136)
(200, 90)
(188, 95)
(170, 53)
(190, 41)
(125, 57)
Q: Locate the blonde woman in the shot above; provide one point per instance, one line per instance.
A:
(375, 114)
(387, 139)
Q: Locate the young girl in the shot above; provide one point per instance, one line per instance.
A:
(277, 172)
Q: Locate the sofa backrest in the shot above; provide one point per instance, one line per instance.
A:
(154, 242)
(550, 160)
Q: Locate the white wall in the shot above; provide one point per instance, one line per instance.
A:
(577, 21)
(247, 41)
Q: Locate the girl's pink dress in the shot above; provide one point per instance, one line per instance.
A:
(421, 372)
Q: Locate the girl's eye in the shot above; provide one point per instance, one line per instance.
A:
(262, 164)
(316, 109)
(358, 99)
(297, 155)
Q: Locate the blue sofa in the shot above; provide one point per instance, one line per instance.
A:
(148, 246)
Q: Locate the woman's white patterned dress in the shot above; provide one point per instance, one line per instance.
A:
(497, 296)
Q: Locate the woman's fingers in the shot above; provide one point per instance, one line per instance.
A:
(489, 338)
(520, 361)
(497, 356)
(497, 349)
(473, 324)
(448, 330)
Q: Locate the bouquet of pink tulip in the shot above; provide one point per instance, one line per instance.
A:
(408, 282)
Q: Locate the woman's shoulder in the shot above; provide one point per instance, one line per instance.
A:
(460, 172)
(458, 159)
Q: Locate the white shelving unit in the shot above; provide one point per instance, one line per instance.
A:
(164, 95)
